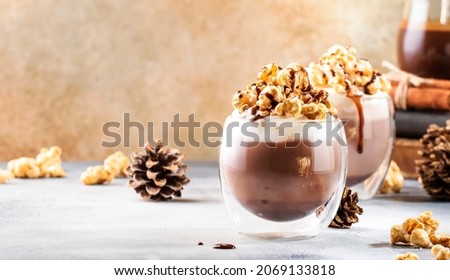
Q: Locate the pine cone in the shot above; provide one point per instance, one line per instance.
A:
(434, 163)
(157, 174)
(348, 210)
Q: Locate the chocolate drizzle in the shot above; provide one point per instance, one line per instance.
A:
(372, 80)
(357, 101)
(273, 102)
(224, 246)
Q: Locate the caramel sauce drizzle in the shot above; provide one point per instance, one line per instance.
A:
(356, 98)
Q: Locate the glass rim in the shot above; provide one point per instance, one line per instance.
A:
(286, 118)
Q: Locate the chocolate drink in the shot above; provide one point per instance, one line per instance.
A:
(282, 181)
(424, 49)
(376, 138)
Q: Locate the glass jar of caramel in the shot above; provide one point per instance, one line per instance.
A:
(424, 38)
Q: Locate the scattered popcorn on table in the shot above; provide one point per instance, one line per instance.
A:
(24, 167)
(46, 164)
(420, 238)
(431, 224)
(440, 252)
(5, 175)
(415, 231)
(117, 164)
(96, 175)
(440, 239)
(49, 162)
(394, 179)
(407, 256)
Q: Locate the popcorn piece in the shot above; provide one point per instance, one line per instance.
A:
(255, 89)
(117, 164)
(290, 107)
(319, 114)
(394, 179)
(440, 252)
(411, 224)
(340, 67)
(441, 239)
(269, 73)
(5, 175)
(407, 256)
(270, 96)
(24, 167)
(46, 164)
(49, 162)
(242, 100)
(431, 224)
(96, 175)
(398, 235)
(294, 77)
(420, 238)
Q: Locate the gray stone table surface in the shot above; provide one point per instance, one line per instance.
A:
(63, 219)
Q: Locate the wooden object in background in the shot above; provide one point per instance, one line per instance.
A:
(405, 153)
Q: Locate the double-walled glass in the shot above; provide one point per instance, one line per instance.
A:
(370, 130)
(282, 177)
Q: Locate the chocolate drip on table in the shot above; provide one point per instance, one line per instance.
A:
(357, 101)
(224, 246)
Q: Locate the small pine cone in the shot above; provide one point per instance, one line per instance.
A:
(348, 211)
(157, 174)
(434, 163)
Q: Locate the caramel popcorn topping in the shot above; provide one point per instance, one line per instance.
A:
(341, 69)
(283, 92)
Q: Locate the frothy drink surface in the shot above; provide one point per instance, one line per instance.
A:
(282, 181)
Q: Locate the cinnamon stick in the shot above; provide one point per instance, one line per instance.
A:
(430, 83)
(426, 98)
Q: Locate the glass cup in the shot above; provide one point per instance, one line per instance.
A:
(423, 46)
(282, 177)
(369, 145)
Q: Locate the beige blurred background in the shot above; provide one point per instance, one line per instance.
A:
(67, 67)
